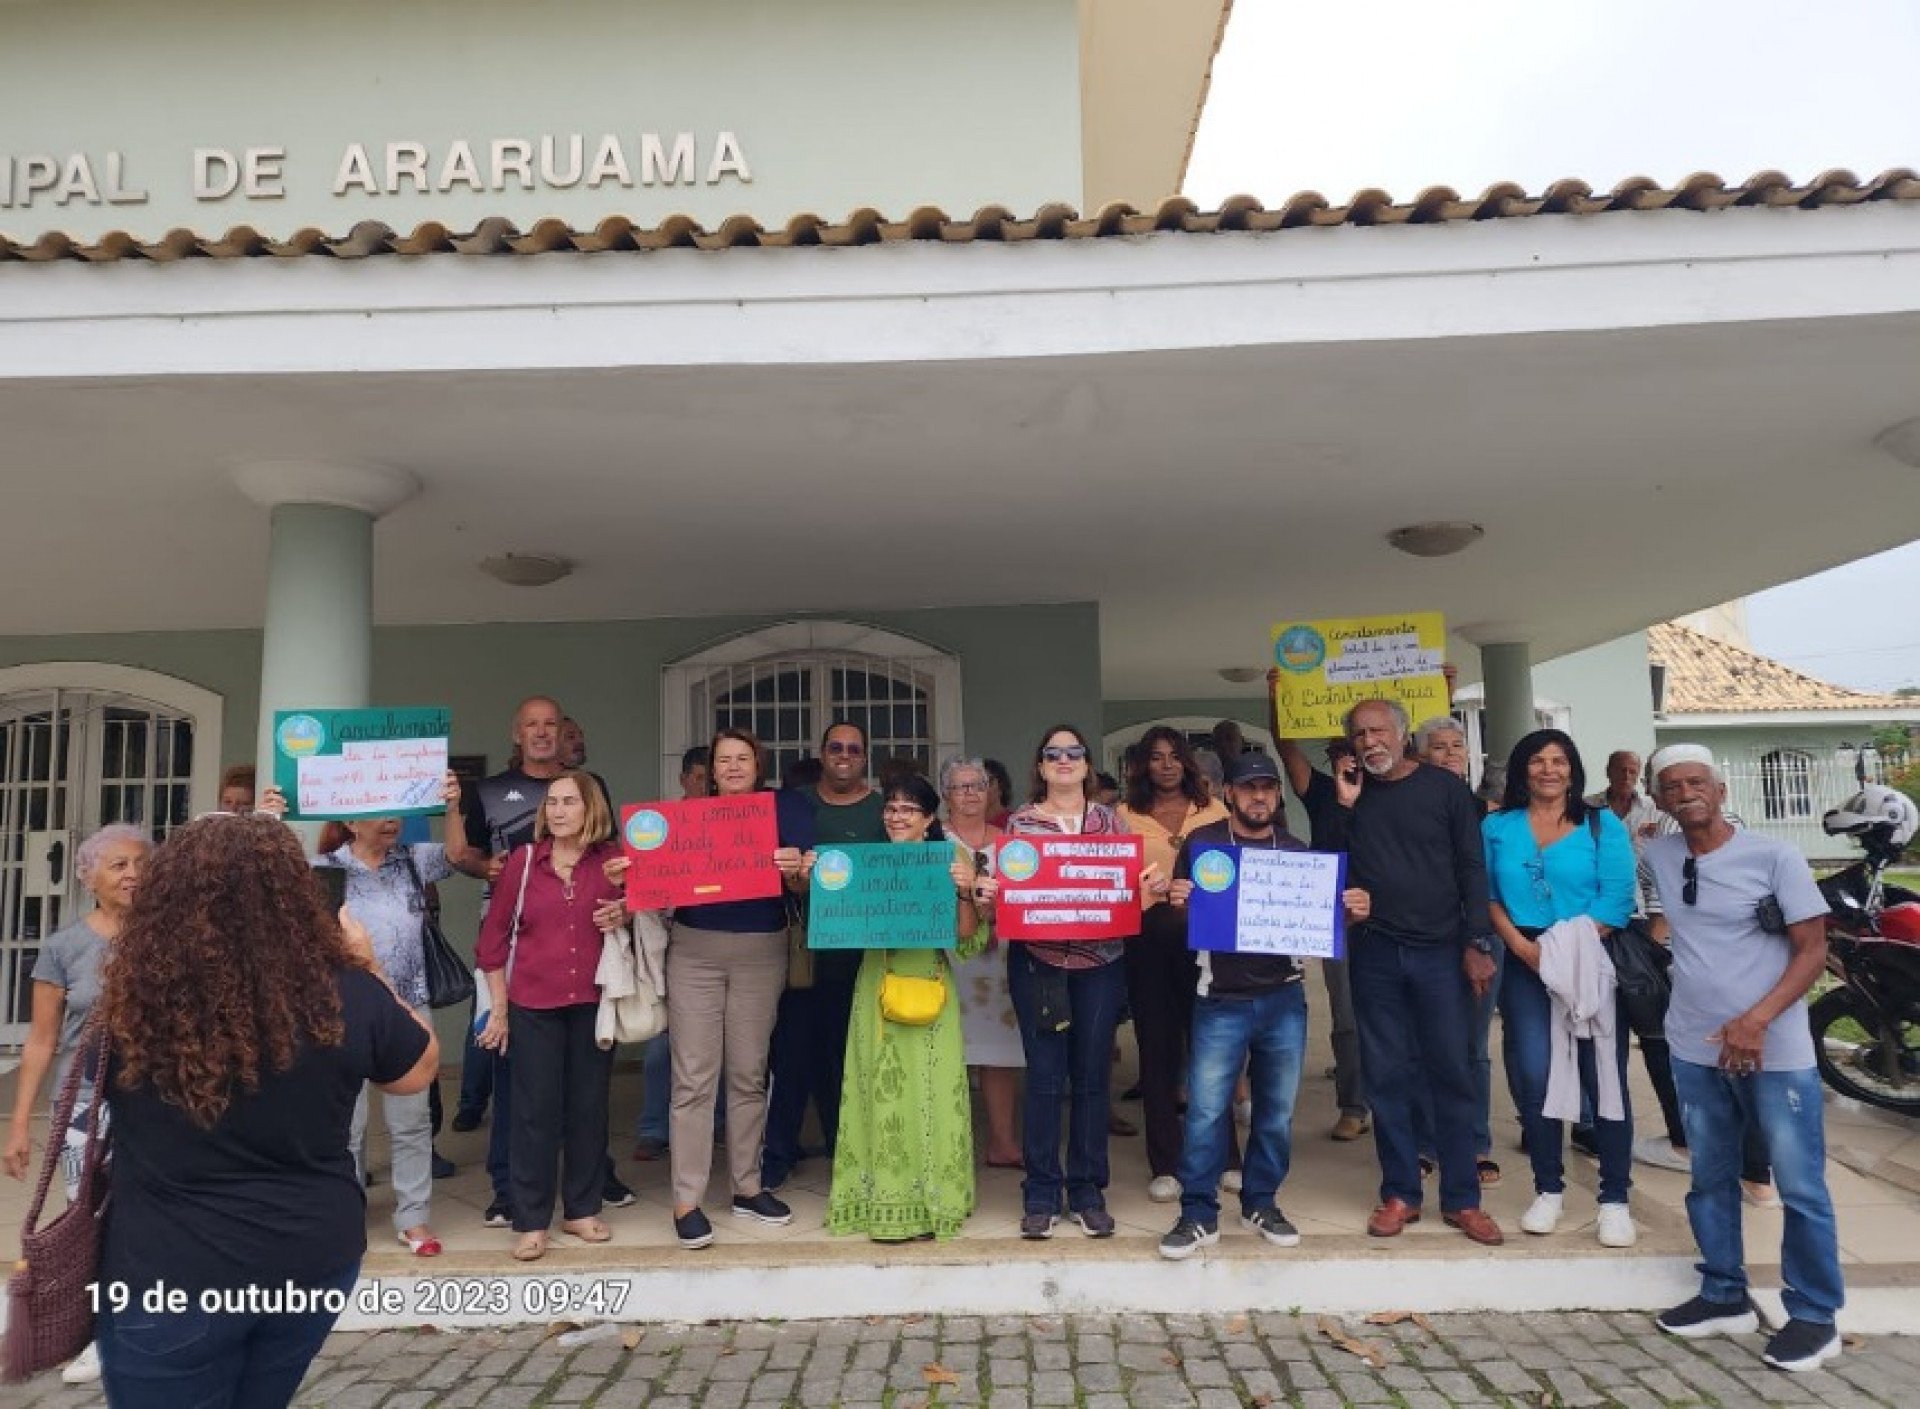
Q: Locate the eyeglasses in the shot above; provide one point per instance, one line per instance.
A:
(902, 809)
(1537, 873)
(1063, 753)
(843, 746)
(1690, 873)
(966, 787)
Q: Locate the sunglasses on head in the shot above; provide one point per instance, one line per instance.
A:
(1690, 873)
(846, 747)
(1063, 753)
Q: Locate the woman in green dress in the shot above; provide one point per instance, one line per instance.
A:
(903, 1160)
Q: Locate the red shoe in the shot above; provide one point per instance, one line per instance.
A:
(428, 1246)
(1393, 1215)
(1476, 1224)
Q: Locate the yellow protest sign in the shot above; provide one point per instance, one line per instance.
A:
(1327, 667)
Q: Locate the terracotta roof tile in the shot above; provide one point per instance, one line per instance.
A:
(1707, 676)
(1435, 205)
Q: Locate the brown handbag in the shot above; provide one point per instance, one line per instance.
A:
(49, 1306)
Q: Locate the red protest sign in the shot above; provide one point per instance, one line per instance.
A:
(1068, 888)
(700, 851)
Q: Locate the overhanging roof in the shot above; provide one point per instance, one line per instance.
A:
(1438, 205)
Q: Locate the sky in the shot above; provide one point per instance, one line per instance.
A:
(1337, 96)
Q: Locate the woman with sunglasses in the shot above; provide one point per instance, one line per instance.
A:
(1085, 984)
(903, 1155)
(987, 1020)
(1550, 858)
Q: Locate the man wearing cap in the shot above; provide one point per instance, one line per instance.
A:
(1249, 1011)
(1748, 929)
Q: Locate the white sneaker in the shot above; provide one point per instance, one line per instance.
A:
(1544, 1216)
(1658, 1151)
(1616, 1226)
(1164, 1189)
(84, 1368)
(1230, 1181)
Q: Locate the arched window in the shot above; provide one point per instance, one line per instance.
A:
(787, 683)
(81, 745)
(1786, 785)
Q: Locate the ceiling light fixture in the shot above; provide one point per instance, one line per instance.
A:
(526, 569)
(1435, 540)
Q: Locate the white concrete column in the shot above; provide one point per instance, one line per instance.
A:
(1506, 672)
(318, 638)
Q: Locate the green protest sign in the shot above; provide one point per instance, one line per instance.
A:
(882, 895)
(346, 763)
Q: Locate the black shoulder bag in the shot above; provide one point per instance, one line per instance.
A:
(449, 977)
(1640, 965)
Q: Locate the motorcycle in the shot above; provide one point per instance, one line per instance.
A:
(1866, 1027)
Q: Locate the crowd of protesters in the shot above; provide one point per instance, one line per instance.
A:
(1456, 907)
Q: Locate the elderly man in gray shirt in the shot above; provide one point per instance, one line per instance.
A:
(1749, 937)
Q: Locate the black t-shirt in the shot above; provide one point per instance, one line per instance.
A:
(1324, 826)
(1237, 975)
(499, 810)
(1414, 845)
(268, 1194)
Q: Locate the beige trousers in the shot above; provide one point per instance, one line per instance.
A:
(723, 992)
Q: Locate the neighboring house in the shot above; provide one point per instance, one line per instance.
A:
(1793, 746)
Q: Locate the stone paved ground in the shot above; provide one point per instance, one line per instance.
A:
(1086, 1362)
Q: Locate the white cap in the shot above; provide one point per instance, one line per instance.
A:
(1672, 754)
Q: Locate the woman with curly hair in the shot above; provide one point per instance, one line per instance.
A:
(241, 1021)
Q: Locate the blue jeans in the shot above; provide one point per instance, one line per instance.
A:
(1480, 1063)
(1414, 1007)
(1527, 1011)
(1267, 1035)
(224, 1359)
(1057, 1062)
(656, 1075)
(476, 1077)
(1786, 1106)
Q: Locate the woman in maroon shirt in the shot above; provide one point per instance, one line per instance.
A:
(539, 949)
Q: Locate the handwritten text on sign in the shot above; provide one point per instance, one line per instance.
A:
(1249, 900)
(1068, 888)
(882, 895)
(345, 763)
(1327, 667)
(700, 850)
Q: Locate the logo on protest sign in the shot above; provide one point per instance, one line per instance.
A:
(646, 830)
(301, 736)
(1299, 649)
(1018, 861)
(833, 870)
(1213, 871)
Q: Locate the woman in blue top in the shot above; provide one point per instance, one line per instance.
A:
(1550, 858)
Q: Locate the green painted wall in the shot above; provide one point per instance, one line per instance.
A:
(836, 105)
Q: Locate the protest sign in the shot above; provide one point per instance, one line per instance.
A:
(700, 850)
(1068, 887)
(1251, 900)
(883, 895)
(347, 763)
(1327, 667)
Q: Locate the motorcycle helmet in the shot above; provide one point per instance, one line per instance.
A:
(1881, 816)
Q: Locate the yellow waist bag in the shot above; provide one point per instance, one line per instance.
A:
(911, 1002)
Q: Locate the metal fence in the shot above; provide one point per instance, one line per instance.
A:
(1785, 792)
